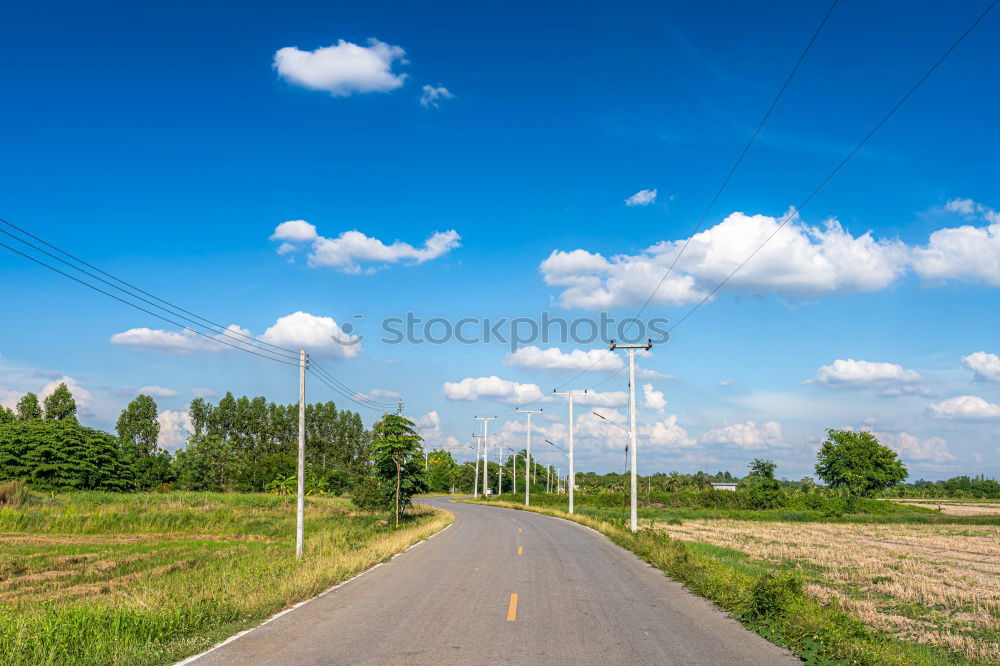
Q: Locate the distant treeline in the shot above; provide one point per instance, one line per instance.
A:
(239, 444)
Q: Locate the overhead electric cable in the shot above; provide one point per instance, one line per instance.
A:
(795, 211)
(138, 307)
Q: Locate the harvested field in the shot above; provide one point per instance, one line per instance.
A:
(933, 584)
(953, 508)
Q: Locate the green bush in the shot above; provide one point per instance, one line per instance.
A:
(13, 493)
(369, 494)
(771, 595)
(63, 455)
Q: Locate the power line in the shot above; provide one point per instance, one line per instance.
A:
(128, 284)
(341, 392)
(138, 307)
(225, 331)
(743, 153)
(329, 376)
(844, 161)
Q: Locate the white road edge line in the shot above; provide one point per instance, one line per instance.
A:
(303, 603)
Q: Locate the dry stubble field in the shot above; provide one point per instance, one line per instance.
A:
(937, 584)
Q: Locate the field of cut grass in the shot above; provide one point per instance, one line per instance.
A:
(105, 578)
(932, 584)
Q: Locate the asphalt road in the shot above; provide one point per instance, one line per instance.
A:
(579, 599)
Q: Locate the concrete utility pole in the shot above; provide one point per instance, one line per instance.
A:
(572, 472)
(527, 461)
(486, 448)
(631, 419)
(300, 495)
(475, 484)
(500, 469)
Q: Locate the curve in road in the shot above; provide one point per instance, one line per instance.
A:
(504, 586)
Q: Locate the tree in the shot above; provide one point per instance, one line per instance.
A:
(6, 415)
(60, 405)
(762, 468)
(398, 456)
(138, 428)
(28, 408)
(856, 462)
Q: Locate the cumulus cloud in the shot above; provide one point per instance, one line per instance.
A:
(430, 95)
(652, 375)
(295, 231)
(156, 391)
(966, 253)
(554, 359)
(911, 447)
(343, 69)
(887, 378)
(653, 399)
(202, 392)
(666, 433)
(986, 366)
(378, 395)
(642, 198)
(351, 249)
(175, 429)
(747, 435)
(965, 408)
(800, 260)
(602, 399)
(429, 427)
(493, 388)
(321, 336)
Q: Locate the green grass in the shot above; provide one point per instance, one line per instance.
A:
(105, 578)
(766, 597)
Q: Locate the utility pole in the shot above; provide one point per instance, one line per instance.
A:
(548, 478)
(500, 469)
(527, 461)
(475, 485)
(486, 448)
(631, 421)
(300, 495)
(572, 472)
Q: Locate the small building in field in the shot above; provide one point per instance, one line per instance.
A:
(724, 485)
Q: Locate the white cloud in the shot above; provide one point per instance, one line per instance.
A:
(156, 391)
(378, 395)
(318, 335)
(653, 399)
(429, 427)
(642, 198)
(295, 231)
(9, 398)
(175, 428)
(602, 399)
(800, 260)
(343, 69)
(888, 378)
(967, 253)
(652, 375)
(986, 366)
(431, 95)
(201, 392)
(965, 408)
(348, 251)
(911, 447)
(554, 359)
(747, 435)
(726, 382)
(493, 388)
(666, 433)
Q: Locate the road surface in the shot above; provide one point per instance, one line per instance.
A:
(580, 599)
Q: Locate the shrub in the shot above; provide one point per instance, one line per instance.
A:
(13, 493)
(369, 494)
(772, 593)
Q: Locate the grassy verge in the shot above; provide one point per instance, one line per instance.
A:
(766, 597)
(104, 578)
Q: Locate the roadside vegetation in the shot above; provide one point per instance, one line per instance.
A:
(115, 578)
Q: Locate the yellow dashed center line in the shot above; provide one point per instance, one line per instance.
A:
(520, 550)
(512, 608)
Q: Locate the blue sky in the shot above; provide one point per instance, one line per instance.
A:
(167, 144)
